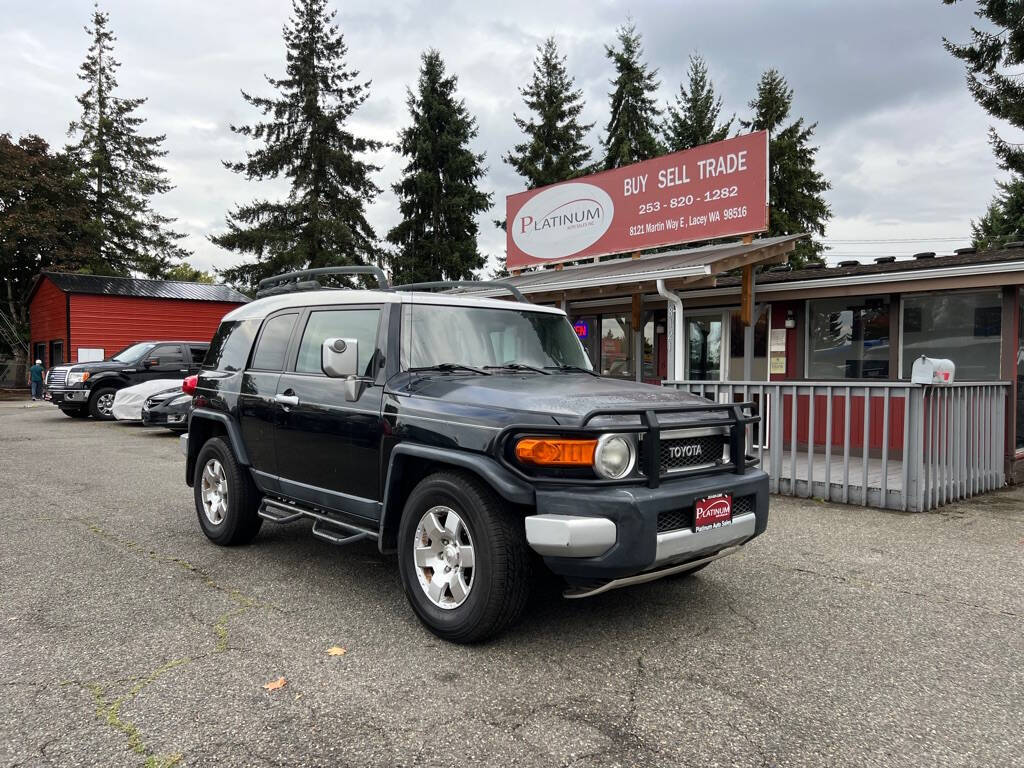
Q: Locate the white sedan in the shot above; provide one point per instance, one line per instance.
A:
(128, 401)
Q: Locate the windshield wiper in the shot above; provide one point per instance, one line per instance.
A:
(572, 368)
(448, 368)
(519, 367)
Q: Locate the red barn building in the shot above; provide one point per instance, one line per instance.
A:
(93, 316)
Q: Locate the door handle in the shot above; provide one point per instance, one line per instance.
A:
(291, 400)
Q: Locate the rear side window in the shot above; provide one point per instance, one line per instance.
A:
(359, 324)
(231, 345)
(197, 352)
(273, 343)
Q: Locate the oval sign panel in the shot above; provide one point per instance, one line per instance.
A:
(563, 220)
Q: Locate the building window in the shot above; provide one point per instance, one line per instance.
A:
(40, 352)
(56, 352)
(963, 327)
(848, 338)
(616, 346)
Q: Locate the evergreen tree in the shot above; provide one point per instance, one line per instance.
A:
(121, 167)
(795, 186)
(44, 219)
(632, 132)
(993, 59)
(1004, 219)
(438, 194)
(304, 136)
(694, 118)
(554, 148)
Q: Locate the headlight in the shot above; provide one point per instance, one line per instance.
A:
(77, 377)
(614, 457)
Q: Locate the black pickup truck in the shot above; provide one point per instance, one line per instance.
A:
(469, 436)
(87, 389)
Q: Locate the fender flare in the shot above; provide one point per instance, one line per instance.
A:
(501, 481)
(230, 426)
(104, 378)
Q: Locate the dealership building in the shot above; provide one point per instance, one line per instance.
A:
(827, 358)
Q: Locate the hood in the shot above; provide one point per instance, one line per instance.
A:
(95, 366)
(566, 397)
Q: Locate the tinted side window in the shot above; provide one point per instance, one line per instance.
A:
(273, 343)
(230, 346)
(168, 354)
(359, 324)
(197, 353)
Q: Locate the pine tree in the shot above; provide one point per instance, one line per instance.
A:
(555, 148)
(1004, 219)
(993, 59)
(322, 221)
(438, 194)
(121, 167)
(694, 118)
(795, 186)
(632, 132)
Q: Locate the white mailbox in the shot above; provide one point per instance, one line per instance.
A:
(933, 370)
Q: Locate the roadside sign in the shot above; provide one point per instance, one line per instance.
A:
(712, 191)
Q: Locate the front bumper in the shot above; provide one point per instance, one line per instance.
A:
(600, 534)
(77, 397)
(157, 417)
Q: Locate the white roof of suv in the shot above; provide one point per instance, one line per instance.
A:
(260, 308)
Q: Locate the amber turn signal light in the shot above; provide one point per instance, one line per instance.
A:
(556, 451)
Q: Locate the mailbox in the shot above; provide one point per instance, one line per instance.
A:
(933, 370)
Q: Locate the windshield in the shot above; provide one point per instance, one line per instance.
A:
(479, 337)
(131, 354)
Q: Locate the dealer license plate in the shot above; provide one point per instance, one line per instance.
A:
(712, 512)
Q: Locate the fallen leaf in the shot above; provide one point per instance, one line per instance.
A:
(336, 650)
(273, 685)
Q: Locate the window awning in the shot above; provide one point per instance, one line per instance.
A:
(690, 267)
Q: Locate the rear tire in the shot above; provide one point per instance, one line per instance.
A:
(101, 403)
(75, 413)
(451, 519)
(226, 497)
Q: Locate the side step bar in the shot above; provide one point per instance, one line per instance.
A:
(324, 527)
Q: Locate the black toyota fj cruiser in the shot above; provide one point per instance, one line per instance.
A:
(87, 389)
(465, 434)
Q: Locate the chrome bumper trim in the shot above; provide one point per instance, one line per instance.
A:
(183, 444)
(641, 578)
(676, 544)
(569, 535)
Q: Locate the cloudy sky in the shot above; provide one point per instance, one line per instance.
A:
(900, 138)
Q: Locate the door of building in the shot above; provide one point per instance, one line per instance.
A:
(704, 337)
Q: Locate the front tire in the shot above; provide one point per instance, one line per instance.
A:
(226, 497)
(101, 404)
(463, 558)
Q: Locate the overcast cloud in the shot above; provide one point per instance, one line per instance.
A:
(901, 140)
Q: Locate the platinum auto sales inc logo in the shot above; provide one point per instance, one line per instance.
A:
(562, 220)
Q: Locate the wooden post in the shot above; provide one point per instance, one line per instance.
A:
(638, 311)
(747, 300)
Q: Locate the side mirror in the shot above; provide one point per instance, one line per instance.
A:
(151, 362)
(339, 358)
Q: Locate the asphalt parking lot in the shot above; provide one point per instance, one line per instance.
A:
(843, 636)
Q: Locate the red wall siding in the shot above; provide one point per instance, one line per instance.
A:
(48, 317)
(114, 322)
(794, 339)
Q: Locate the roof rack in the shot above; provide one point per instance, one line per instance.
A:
(464, 284)
(293, 281)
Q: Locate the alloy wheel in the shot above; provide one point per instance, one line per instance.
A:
(444, 557)
(214, 492)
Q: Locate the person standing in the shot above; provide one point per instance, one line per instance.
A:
(35, 374)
